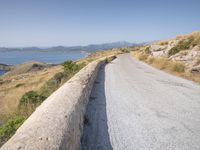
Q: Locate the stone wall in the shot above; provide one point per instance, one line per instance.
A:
(57, 123)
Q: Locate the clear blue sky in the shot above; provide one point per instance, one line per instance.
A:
(81, 22)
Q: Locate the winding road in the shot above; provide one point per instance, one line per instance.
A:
(136, 107)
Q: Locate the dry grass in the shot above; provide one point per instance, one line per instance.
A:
(194, 36)
(13, 87)
(173, 67)
(165, 64)
(140, 55)
(163, 42)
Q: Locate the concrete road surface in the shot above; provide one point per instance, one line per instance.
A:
(136, 107)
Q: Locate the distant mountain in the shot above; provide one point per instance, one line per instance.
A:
(92, 47)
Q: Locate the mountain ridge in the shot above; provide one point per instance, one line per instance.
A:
(90, 47)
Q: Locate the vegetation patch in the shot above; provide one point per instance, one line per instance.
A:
(163, 43)
(52, 84)
(9, 128)
(18, 85)
(31, 97)
(71, 67)
(125, 50)
(110, 59)
(147, 50)
(161, 63)
(174, 67)
(196, 38)
(182, 45)
(177, 67)
(141, 56)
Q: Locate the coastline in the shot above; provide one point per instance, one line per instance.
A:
(4, 68)
(2, 72)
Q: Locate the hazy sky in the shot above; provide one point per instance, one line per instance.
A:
(81, 22)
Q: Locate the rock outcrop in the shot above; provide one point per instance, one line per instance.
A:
(185, 49)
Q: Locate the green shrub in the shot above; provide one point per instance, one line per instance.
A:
(9, 128)
(182, 45)
(147, 50)
(173, 51)
(31, 97)
(70, 67)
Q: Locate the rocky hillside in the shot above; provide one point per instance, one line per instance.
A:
(183, 48)
(30, 66)
(5, 67)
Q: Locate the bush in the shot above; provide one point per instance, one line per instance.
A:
(70, 67)
(173, 51)
(9, 128)
(182, 45)
(147, 50)
(31, 97)
(110, 59)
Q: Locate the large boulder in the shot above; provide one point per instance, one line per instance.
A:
(155, 47)
(159, 54)
(194, 53)
(186, 55)
(181, 56)
(196, 48)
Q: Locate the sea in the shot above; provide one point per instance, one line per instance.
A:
(2, 72)
(50, 57)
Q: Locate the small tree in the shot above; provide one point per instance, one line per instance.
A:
(71, 67)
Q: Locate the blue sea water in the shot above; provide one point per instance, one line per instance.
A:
(53, 57)
(2, 72)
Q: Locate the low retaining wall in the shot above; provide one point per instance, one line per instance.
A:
(58, 122)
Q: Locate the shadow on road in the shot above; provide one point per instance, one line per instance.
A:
(95, 133)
